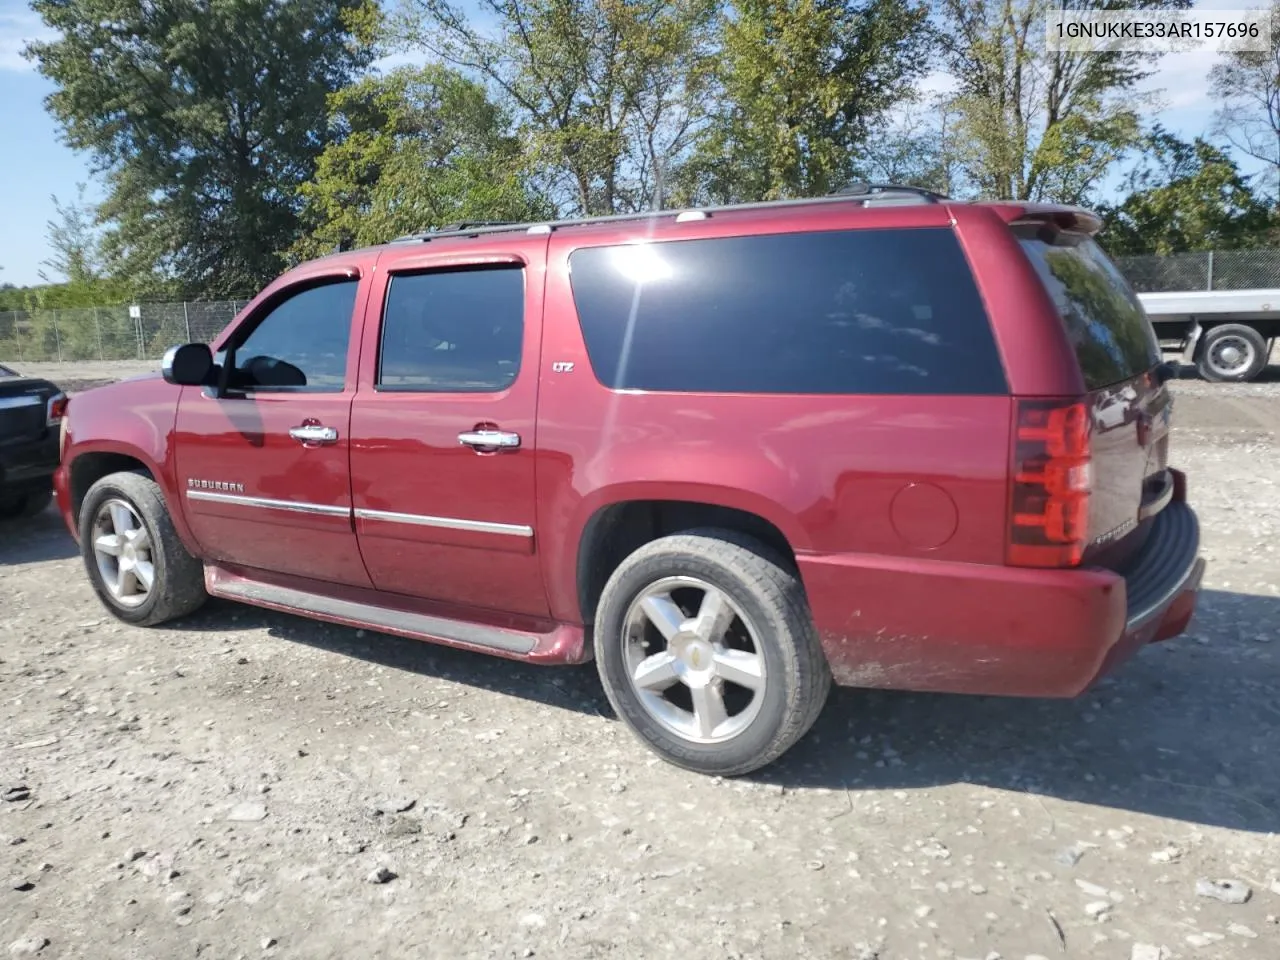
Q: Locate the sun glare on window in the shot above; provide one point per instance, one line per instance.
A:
(641, 263)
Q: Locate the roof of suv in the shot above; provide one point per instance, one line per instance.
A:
(868, 196)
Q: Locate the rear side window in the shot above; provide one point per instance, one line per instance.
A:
(856, 311)
(1104, 320)
(453, 331)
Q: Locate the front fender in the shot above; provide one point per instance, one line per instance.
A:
(132, 419)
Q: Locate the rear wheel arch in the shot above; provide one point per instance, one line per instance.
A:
(616, 530)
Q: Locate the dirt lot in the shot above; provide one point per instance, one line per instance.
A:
(232, 786)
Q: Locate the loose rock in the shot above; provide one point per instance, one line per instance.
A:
(1098, 909)
(381, 875)
(1204, 939)
(1225, 889)
(27, 946)
(16, 794)
(1240, 930)
(1147, 951)
(247, 813)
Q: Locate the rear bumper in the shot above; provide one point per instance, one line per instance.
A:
(967, 628)
(28, 465)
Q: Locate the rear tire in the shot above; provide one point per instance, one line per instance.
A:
(707, 651)
(1232, 353)
(135, 560)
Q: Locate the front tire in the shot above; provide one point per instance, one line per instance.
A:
(135, 560)
(707, 651)
(1232, 353)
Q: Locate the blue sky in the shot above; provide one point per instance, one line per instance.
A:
(35, 164)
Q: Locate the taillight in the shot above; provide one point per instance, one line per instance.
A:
(55, 409)
(1052, 477)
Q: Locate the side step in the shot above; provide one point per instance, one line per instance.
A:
(563, 643)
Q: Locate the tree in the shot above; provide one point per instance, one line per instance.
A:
(607, 94)
(416, 149)
(915, 148)
(1037, 124)
(802, 83)
(1246, 85)
(205, 116)
(73, 236)
(1184, 196)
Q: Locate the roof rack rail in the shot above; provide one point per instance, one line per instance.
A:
(463, 225)
(879, 189)
(864, 193)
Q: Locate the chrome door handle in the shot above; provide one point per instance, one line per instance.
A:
(313, 434)
(489, 440)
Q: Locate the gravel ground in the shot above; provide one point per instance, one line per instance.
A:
(81, 375)
(247, 784)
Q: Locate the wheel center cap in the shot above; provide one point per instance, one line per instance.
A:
(129, 553)
(1231, 354)
(696, 655)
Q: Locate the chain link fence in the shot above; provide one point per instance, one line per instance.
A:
(142, 332)
(1213, 270)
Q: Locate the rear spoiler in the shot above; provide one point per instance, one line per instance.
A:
(1073, 219)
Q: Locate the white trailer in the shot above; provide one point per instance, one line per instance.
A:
(1227, 334)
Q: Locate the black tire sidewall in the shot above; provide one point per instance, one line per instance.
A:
(769, 632)
(114, 488)
(1256, 340)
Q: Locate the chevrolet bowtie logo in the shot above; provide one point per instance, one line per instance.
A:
(193, 484)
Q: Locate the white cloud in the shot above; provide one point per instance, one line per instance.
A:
(16, 31)
(937, 82)
(1183, 79)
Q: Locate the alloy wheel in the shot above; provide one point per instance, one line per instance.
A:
(694, 660)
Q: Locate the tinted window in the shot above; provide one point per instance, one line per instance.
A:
(1111, 334)
(301, 344)
(859, 311)
(453, 331)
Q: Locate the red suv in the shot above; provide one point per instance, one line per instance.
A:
(729, 453)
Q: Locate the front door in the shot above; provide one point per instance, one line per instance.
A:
(442, 430)
(264, 469)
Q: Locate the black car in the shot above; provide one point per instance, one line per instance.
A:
(30, 427)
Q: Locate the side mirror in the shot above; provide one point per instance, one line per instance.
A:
(189, 365)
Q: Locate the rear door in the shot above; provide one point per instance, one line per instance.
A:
(1118, 355)
(443, 428)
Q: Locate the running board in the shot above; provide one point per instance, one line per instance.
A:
(562, 644)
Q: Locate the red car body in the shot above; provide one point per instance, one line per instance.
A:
(895, 507)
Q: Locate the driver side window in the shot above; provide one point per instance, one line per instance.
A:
(301, 344)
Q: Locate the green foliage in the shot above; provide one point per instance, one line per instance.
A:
(416, 149)
(917, 148)
(1037, 124)
(1186, 196)
(801, 83)
(77, 248)
(606, 94)
(205, 116)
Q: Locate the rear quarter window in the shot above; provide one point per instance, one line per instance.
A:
(855, 311)
(1104, 320)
